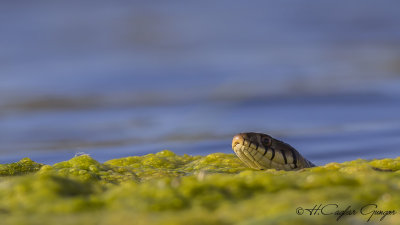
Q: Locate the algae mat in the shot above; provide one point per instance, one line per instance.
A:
(165, 188)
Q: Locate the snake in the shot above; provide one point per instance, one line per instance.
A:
(261, 151)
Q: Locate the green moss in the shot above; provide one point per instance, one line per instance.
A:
(165, 188)
(24, 166)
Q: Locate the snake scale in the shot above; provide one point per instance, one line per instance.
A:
(261, 151)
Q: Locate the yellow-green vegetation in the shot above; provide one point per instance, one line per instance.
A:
(165, 188)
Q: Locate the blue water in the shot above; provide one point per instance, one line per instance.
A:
(130, 78)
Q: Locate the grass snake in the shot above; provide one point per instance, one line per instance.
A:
(261, 151)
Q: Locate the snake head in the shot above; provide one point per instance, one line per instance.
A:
(261, 151)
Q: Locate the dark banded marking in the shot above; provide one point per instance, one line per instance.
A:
(273, 153)
(284, 156)
(265, 151)
(294, 158)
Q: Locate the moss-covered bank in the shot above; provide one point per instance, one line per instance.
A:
(165, 188)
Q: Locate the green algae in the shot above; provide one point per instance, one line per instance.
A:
(165, 188)
(24, 166)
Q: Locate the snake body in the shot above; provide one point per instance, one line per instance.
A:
(261, 151)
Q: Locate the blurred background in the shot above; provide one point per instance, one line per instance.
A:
(123, 78)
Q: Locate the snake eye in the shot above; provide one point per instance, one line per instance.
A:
(266, 142)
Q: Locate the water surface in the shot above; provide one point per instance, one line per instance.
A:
(122, 79)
